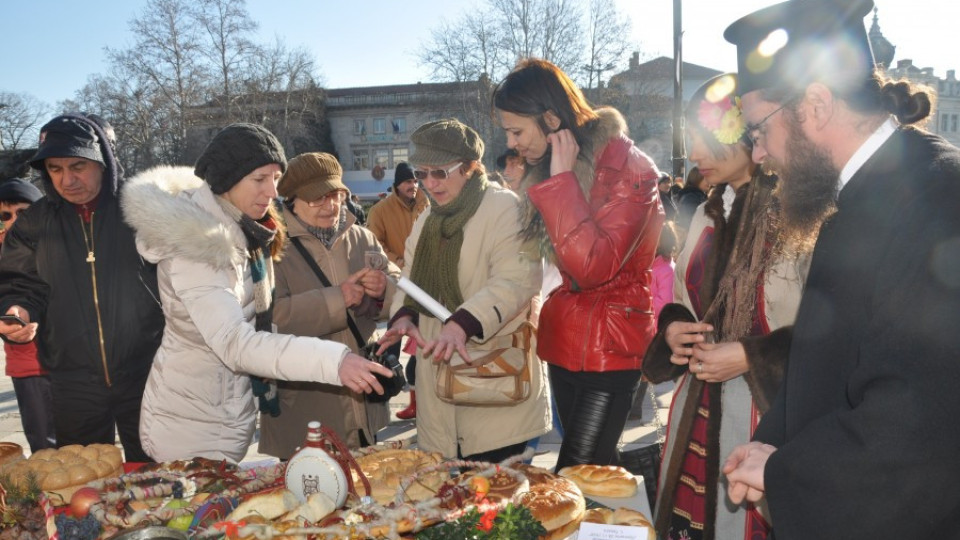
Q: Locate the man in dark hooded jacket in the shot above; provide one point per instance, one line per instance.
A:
(71, 272)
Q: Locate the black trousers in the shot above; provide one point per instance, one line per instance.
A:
(496, 455)
(593, 409)
(87, 411)
(35, 401)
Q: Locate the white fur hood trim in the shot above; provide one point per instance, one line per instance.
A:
(175, 214)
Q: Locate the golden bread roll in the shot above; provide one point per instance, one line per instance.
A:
(633, 518)
(317, 507)
(45, 453)
(602, 480)
(386, 469)
(10, 452)
(603, 516)
(269, 506)
(60, 472)
(58, 479)
(557, 503)
(81, 474)
(71, 449)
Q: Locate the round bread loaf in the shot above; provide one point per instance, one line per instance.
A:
(10, 452)
(387, 468)
(555, 502)
(602, 480)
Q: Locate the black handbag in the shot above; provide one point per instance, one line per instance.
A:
(645, 461)
(392, 386)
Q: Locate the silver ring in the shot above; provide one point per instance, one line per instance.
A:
(700, 367)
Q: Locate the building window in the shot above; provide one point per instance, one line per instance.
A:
(382, 157)
(953, 123)
(944, 122)
(360, 127)
(399, 125)
(361, 160)
(379, 126)
(399, 154)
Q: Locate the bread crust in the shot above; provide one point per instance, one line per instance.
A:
(10, 452)
(554, 501)
(602, 480)
(60, 472)
(387, 468)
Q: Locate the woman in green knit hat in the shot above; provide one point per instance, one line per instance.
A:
(464, 251)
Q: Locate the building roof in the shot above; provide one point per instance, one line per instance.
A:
(663, 68)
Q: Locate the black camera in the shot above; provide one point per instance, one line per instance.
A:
(391, 385)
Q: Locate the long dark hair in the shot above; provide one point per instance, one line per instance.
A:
(537, 86)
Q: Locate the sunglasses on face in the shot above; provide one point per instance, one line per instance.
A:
(436, 174)
(335, 196)
(7, 216)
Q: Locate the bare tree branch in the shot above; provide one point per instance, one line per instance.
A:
(21, 116)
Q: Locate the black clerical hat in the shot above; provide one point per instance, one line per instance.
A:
(791, 44)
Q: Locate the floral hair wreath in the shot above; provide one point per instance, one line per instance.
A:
(723, 119)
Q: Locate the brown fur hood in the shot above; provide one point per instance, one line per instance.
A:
(610, 124)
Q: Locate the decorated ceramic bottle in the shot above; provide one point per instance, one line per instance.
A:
(312, 469)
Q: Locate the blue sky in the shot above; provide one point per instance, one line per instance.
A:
(52, 46)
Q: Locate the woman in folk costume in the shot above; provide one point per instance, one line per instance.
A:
(737, 278)
(590, 205)
(464, 251)
(213, 233)
(320, 226)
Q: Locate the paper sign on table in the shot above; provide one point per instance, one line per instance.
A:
(599, 531)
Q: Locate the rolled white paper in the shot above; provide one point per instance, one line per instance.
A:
(424, 299)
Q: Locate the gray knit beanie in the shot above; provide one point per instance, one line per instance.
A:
(444, 141)
(235, 152)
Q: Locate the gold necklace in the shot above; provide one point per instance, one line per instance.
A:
(88, 242)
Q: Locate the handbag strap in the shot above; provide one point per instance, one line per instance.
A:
(326, 283)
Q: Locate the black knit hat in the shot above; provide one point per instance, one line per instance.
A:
(402, 173)
(67, 136)
(18, 190)
(235, 152)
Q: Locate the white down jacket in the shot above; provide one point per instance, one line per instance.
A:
(198, 400)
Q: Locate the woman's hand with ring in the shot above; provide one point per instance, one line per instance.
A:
(724, 361)
(359, 374)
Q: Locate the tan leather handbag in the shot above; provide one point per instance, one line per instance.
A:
(497, 376)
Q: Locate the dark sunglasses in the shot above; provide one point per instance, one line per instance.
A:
(7, 216)
(437, 174)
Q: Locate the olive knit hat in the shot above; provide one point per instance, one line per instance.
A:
(235, 152)
(311, 176)
(444, 141)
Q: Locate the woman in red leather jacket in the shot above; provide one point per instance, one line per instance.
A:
(591, 207)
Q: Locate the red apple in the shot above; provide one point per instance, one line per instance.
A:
(82, 500)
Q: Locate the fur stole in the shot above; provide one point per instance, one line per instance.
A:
(609, 124)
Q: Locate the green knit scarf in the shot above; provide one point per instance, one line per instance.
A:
(437, 258)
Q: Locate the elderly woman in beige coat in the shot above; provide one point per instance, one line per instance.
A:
(466, 253)
(317, 219)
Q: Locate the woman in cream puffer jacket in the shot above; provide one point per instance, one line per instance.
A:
(198, 399)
